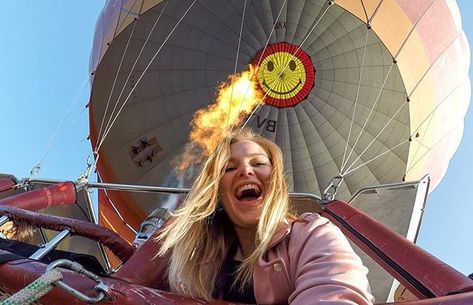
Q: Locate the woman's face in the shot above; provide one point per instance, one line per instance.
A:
(245, 183)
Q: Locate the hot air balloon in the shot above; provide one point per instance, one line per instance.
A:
(355, 93)
(373, 91)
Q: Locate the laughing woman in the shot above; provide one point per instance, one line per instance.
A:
(235, 238)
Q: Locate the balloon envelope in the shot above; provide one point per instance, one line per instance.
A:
(377, 87)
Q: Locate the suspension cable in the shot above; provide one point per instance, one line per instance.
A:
(110, 121)
(356, 97)
(128, 13)
(369, 114)
(364, 11)
(115, 81)
(118, 213)
(53, 139)
(385, 79)
(412, 29)
(375, 12)
(376, 137)
(236, 60)
(254, 71)
(146, 70)
(376, 157)
(429, 118)
(121, 62)
(259, 62)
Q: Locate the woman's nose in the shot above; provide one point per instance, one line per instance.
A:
(246, 170)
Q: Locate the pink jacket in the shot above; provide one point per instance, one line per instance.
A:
(311, 262)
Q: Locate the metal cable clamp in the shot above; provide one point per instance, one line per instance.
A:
(103, 291)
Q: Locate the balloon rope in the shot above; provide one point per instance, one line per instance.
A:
(118, 212)
(375, 11)
(128, 13)
(375, 138)
(95, 152)
(433, 63)
(114, 83)
(412, 30)
(429, 118)
(366, 13)
(293, 57)
(147, 67)
(110, 122)
(429, 148)
(376, 157)
(420, 81)
(257, 65)
(236, 61)
(311, 30)
(356, 100)
(369, 115)
(271, 33)
(53, 139)
(385, 79)
(414, 137)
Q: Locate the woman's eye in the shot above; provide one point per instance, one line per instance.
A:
(229, 169)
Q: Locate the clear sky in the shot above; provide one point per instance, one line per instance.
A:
(44, 59)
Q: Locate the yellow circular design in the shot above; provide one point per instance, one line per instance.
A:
(281, 75)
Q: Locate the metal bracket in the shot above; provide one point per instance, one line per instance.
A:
(52, 244)
(3, 220)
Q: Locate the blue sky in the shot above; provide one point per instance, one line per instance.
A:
(44, 58)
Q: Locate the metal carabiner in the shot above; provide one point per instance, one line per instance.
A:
(331, 191)
(83, 179)
(102, 290)
(23, 183)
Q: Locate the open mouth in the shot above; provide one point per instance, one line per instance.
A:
(248, 192)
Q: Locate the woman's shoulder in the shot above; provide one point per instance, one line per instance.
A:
(316, 228)
(306, 227)
(310, 217)
(309, 221)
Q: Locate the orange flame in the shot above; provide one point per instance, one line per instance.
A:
(236, 99)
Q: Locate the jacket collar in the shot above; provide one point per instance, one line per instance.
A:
(281, 232)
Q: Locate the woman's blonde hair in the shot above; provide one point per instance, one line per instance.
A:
(20, 231)
(199, 236)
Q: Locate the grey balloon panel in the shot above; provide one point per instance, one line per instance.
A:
(307, 135)
(327, 162)
(275, 8)
(283, 140)
(303, 169)
(143, 115)
(325, 31)
(328, 121)
(293, 17)
(311, 13)
(334, 138)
